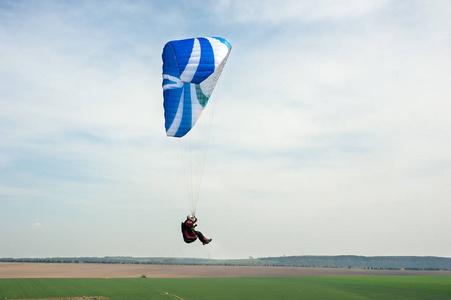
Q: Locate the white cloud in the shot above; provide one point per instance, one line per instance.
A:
(280, 12)
(21, 192)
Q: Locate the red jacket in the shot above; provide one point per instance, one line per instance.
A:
(189, 235)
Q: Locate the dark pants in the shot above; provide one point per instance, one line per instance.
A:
(201, 237)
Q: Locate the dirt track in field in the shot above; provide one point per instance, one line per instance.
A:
(61, 270)
(70, 298)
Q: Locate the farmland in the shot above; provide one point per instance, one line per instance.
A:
(106, 281)
(70, 270)
(368, 287)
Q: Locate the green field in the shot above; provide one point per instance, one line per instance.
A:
(367, 287)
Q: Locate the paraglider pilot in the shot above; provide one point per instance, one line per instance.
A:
(189, 234)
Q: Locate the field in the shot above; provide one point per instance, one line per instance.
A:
(215, 282)
(369, 287)
(61, 270)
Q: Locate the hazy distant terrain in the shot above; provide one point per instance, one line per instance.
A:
(345, 261)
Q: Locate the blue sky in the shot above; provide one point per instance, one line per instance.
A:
(331, 134)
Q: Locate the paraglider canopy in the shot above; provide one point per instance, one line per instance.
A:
(191, 69)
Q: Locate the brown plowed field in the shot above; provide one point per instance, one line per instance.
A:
(61, 270)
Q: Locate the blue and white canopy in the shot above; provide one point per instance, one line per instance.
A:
(191, 69)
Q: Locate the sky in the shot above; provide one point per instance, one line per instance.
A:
(331, 132)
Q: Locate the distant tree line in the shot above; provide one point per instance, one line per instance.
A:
(344, 261)
(364, 262)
